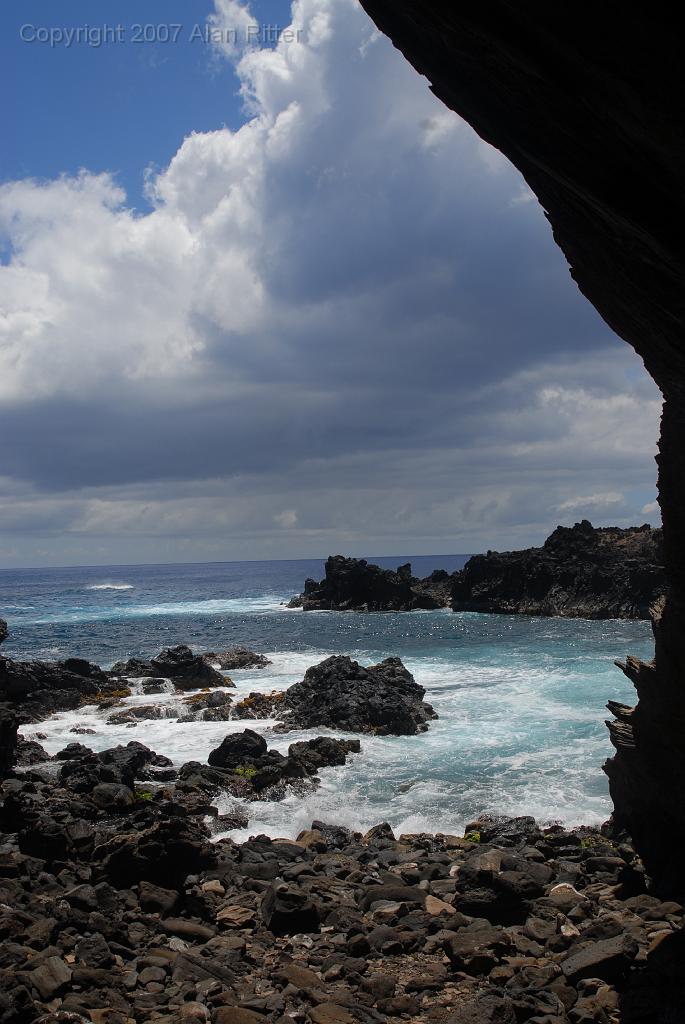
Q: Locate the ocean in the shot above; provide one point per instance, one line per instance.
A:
(520, 698)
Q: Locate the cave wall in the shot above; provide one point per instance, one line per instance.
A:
(586, 100)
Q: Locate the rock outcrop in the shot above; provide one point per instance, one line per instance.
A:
(340, 693)
(604, 573)
(186, 670)
(236, 658)
(36, 689)
(353, 584)
(586, 102)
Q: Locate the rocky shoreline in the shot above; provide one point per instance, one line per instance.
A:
(115, 911)
(579, 572)
(123, 897)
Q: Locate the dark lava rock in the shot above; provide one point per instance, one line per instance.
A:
(322, 752)
(260, 705)
(3, 630)
(40, 688)
(83, 770)
(288, 911)
(353, 584)
(214, 706)
(8, 739)
(580, 571)
(341, 694)
(164, 854)
(608, 960)
(236, 658)
(242, 748)
(487, 1008)
(30, 752)
(186, 670)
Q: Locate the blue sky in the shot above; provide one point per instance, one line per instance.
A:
(119, 107)
(277, 301)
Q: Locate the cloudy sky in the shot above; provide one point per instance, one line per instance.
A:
(273, 300)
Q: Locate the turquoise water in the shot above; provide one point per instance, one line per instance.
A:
(521, 699)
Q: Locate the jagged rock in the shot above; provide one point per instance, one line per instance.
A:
(39, 688)
(186, 670)
(608, 960)
(83, 770)
(236, 749)
(141, 713)
(8, 739)
(236, 658)
(260, 705)
(3, 630)
(112, 796)
(30, 752)
(487, 1008)
(322, 752)
(604, 573)
(210, 706)
(353, 584)
(341, 694)
(164, 854)
(288, 911)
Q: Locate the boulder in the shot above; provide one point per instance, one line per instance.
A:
(341, 694)
(260, 705)
(236, 658)
(186, 670)
(608, 960)
(237, 749)
(288, 911)
(164, 854)
(322, 752)
(207, 706)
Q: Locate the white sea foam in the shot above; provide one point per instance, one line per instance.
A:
(214, 606)
(110, 586)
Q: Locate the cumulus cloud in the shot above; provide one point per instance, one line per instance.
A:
(350, 307)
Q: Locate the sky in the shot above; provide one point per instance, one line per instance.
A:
(263, 296)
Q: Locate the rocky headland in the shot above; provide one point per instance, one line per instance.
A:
(579, 572)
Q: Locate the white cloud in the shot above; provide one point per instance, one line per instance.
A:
(351, 281)
(592, 502)
(287, 518)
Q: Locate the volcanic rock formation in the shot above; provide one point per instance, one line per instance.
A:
(353, 584)
(341, 694)
(186, 670)
(587, 102)
(578, 572)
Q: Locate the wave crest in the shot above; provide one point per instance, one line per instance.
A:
(110, 586)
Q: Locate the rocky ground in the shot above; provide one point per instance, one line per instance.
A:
(579, 572)
(115, 907)
(123, 897)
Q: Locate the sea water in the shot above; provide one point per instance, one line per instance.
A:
(520, 699)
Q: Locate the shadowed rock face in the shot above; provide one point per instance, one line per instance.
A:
(353, 584)
(579, 572)
(587, 102)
